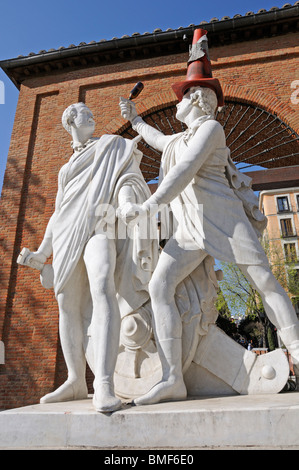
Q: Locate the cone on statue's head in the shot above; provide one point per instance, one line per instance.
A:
(199, 71)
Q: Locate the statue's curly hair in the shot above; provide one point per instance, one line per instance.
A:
(69, 114)
(206, 98)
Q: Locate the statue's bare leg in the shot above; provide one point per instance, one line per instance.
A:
(174, 265)
(100, 259)
(71, 302)
(278, 307)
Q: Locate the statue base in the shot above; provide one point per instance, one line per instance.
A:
(253, 421)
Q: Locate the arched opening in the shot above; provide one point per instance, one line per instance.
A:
(255, 137)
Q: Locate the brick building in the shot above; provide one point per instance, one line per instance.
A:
(281, 206)
(256, 59)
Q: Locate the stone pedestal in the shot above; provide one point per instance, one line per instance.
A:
(258, 421)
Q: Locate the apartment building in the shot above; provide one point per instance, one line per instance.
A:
(281, 206)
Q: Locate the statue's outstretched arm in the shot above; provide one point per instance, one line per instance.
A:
(207, 139)
(152, 136)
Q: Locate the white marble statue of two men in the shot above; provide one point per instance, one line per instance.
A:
(98, 269)
(195, 166)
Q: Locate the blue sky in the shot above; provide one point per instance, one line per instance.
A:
(35, 25)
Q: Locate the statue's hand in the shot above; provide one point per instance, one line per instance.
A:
(131, 212)
(128, 110)
(33, 259)
(36, 259)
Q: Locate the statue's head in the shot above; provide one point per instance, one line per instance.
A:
(203, 98)
(78, 116)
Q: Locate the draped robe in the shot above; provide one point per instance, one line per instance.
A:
(88, 185)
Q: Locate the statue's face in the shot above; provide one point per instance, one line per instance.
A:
(84, 120)
(185, 106)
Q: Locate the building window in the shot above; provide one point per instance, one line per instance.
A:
(290, 252)
(297, 200)
(287, 228)
(283, 204)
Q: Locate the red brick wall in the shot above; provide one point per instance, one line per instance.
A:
(258, 72)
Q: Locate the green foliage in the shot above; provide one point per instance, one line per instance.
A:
(235, 287)
(293, 283)
(251, 328)
(239, 295)
(271, 339)
(224, 320)
(222, 306)
(227, 325)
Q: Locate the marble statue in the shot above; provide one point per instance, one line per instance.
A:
(99, 269)
(215, 216)
(144, 321)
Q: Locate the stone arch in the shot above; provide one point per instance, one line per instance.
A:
(258, 128)
(268, 102)
(271, 118)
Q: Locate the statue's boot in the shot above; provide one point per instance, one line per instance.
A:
(104, 399)
(68, 391)
(172, 386)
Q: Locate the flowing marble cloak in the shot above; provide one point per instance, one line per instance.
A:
(86, 202)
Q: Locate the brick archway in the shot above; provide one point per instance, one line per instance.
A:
(264, 100)
(238, 93)
(256, 131)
